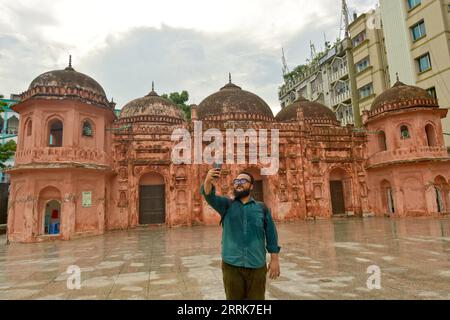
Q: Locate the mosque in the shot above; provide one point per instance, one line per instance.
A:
(81, 170)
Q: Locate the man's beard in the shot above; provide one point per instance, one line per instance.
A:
(241, 194)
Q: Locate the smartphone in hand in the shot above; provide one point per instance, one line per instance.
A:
(217, 167)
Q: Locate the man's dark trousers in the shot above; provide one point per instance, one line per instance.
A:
(244, 283)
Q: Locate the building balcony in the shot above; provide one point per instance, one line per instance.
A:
(335, 76)
(48, 155)
(340, 98)
(406, 155)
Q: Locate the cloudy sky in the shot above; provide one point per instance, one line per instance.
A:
(181, 45)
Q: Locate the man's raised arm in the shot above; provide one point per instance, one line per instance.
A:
(220, 204)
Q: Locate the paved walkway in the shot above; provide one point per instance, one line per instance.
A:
(320, 260)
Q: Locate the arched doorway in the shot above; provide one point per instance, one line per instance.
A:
(152, 199)
(441, 191)
(52, 219)
(51, 211)
(387, 197)
(340, 192)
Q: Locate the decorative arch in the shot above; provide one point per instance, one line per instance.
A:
(28, 127)
(381, 140)
(260, 185)
(414, 195)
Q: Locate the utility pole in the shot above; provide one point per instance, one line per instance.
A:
(285, 66)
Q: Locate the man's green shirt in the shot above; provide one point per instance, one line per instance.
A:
(244, 236)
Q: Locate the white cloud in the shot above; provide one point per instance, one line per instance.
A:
(244, 37)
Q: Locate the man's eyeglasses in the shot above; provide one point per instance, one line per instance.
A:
(238, 182)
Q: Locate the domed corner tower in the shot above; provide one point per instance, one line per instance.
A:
(151, 188)
(408, 165)
(59, 182)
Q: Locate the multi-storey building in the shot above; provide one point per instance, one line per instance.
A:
(417, 36)
(9, 125)
(369, 55)
(326, 81)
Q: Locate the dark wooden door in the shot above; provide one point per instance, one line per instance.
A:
(337, 197)
(152, 205)
(258, 191)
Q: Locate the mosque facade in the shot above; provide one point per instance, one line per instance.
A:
(81, 170)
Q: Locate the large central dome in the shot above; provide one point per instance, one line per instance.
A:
(232, 100)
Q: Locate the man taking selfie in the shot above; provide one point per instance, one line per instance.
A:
(248, 230)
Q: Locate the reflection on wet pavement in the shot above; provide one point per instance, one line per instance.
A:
(320, 260)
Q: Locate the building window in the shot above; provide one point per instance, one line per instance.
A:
(424, 63)
(56, 134)
(418, 31)
(432, 92)
(404, 132)
(292, 96)
(87, 129)
(366, 91)
(431, 135)
(413, 3)
(382, 145)
(363, 64)
(359, 38)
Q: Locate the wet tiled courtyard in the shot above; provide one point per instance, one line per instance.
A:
(320, 260)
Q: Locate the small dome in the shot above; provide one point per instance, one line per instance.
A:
(401, 92)
(312, 111)
(67, 83)
(231, 99)
(68, 78)
(152, 105)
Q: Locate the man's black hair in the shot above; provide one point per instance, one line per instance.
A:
(251, 177)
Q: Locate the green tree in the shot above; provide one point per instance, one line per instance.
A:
(180, 99)
(7, 151)
(2, 104)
